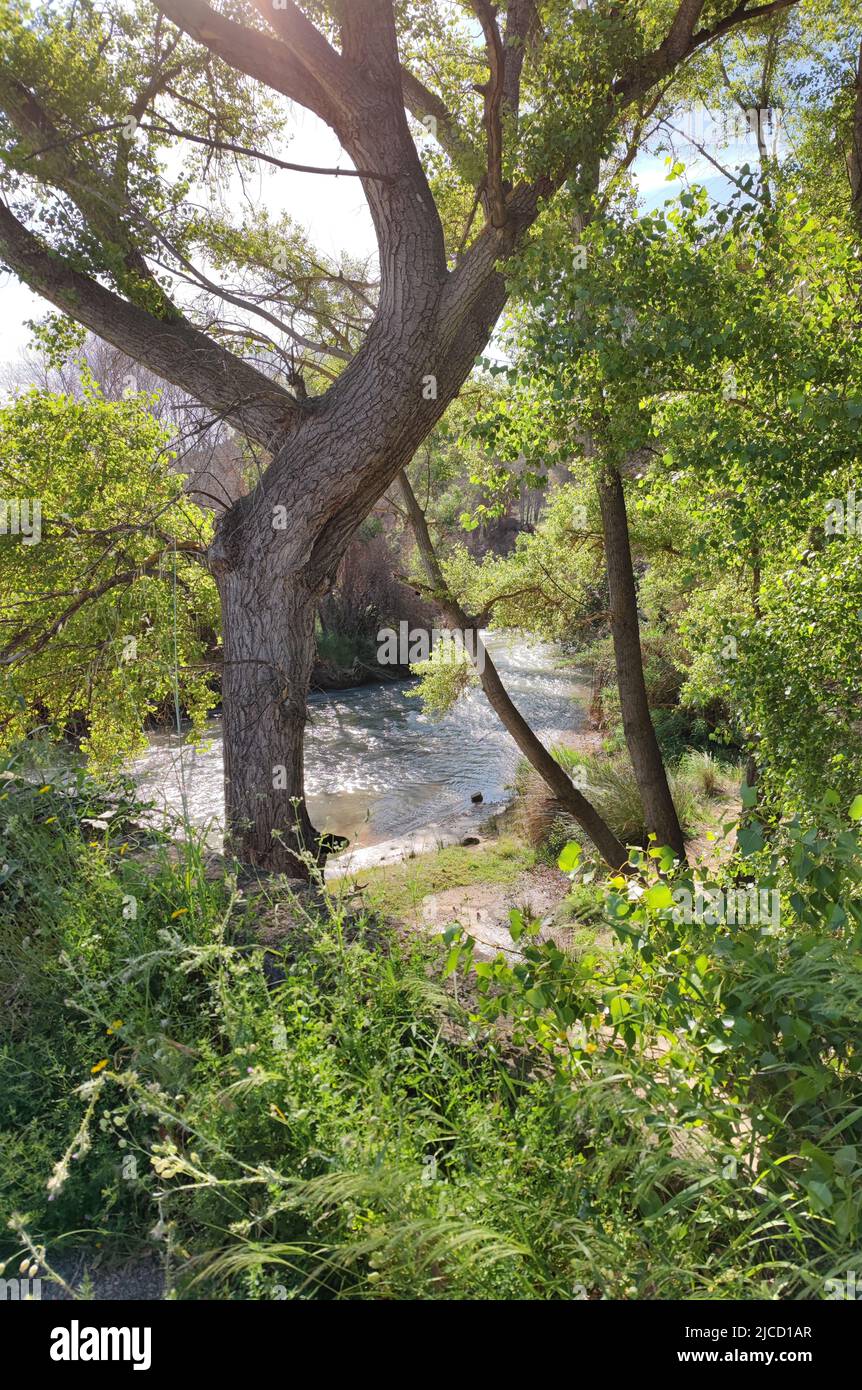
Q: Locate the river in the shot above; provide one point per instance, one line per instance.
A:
(377, 768)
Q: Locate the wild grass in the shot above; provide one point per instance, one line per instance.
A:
(324, 1120)
(396, 890)
(609, 782)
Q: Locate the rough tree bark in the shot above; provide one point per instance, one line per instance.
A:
(554, 777)
(649, 770)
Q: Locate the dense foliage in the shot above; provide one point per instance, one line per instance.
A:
(337, 1124)
(108, 617)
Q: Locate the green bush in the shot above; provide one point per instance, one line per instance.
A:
(729, 1037)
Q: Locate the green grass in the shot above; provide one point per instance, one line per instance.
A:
(336, 1124)
(397, 890)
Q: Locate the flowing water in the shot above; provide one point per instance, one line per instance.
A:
(377, 768)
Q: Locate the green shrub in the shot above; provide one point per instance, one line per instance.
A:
(732, 1039)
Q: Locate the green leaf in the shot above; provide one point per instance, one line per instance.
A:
(659, 896)
(750, 839)
(569, 857)
(820, 1194)
(452, 961)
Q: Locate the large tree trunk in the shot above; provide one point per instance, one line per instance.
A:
(277, 550)
(268, 640)
(649, 770)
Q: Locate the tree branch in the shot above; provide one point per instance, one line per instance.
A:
(426, 106)
(854, 159)
(522, 23)
(682, 41)
(166, 127)
(369, 39)
(172, 348)
(677, 43)
(12, 651)
(257, 54)
(493, 94)
(315, 55)
(34, 125)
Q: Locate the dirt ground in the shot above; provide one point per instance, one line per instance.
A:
(483, 909)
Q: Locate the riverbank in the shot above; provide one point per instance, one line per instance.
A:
(327, 675)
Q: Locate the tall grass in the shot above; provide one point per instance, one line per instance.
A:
(609, 782)
(321, 1120)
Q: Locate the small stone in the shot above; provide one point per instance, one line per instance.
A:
(476, 798)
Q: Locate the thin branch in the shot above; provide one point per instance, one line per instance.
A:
(168, 128)
(11, 652)
(493, 94)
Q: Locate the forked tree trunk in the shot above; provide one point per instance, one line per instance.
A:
(645, 754)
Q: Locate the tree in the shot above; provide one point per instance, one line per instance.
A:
(90, 222)
(106, 613)
(554, 776)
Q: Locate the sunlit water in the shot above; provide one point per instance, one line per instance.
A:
(376, 766)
